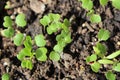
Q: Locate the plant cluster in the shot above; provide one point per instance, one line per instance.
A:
(99, 58)
(52, 24)
(88, 5)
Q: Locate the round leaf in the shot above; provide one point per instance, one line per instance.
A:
(95, 18)
(54, 56)
(18, 39)
(110, 76)
(41, 54)
(40, 41)
(6, 76)
(7, 21)
(20, 20)
(95, 66)
(116, 4)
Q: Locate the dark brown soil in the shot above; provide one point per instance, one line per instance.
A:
(72, 65)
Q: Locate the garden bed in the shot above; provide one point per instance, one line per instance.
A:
(72, 65)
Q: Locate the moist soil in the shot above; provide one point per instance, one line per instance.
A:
(72, 65)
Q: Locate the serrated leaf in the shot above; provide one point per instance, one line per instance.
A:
(103, 35)
(39, 40)
(54, 56)
(8, 32)
(95, 66)
(103, 2)
(20, 20)
(117, 67)
(18, 39)
(95, 18)
(41, 54)
(7, 21)
(110, 76)
(116, 4)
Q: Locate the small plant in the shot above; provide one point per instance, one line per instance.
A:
(53, 24)
(5, 76)
(20, 20)
(18, 39)
(99, 58)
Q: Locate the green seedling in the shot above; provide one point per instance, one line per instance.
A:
(41, 54)
(116, 4)
(54, 56)
(8, 5)
(5, 76)
(20, 20)
(26, 55)
(53, 24)
(99, 58)
(87, 4)
(51, 21)
(103, 35)
(18, 39)
(95, 18)
(8, 32)
(40, 41)
(103, 2)
(7, 22)
(110, 76)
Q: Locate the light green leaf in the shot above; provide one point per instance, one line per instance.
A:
(95, 66)
(54, 17)
(27, 64)
(5, 76)
(117, 67)
(28, 42)
(105, 61)
(116, 4)
(100, 50)
(58, 48)
(8, 32)
(40, 40)
(113, 55)
(20, 20)
(95, 18)
(103, 2)
(87, 4)
(41, 54)
(18, 39)
(110, 76)
(91, 58)
(7, 21)
(103, 35)
(45, 21)
(23, 53)
(54, 56)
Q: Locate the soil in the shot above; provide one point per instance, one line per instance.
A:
(72, 65)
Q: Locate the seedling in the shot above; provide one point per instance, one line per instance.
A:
(103, 2)
(40, 41)
(7, 22)
(8, 32)
(53, 24)
(95, 18)
(5, 76)
(87, 4)
(20, 20)
(116, 4)
(18, 39)
(99, 57)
